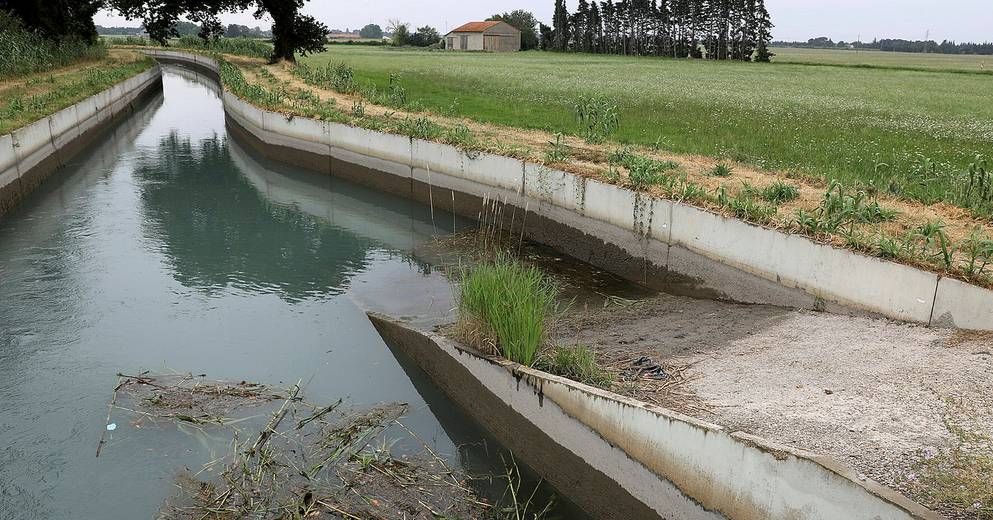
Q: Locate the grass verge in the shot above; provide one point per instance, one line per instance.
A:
(40, 95)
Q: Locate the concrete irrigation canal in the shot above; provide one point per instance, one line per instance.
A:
(186, 296)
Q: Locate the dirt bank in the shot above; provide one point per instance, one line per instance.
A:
(880, 396)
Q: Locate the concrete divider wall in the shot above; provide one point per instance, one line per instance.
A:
(678, 466)
(726, 257)
(30, 154)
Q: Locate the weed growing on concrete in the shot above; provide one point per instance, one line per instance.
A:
(598, 117)
(577, 363)
(511, 302)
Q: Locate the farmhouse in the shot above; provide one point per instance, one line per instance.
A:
(484, 36)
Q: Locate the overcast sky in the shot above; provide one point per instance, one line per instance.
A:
(960, 20)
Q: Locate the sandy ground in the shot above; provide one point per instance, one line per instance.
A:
(873, 393)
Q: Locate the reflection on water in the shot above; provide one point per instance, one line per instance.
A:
(168, 248)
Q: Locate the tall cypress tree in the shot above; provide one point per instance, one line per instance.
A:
(763, 32)
(560, 22)
(595, 26)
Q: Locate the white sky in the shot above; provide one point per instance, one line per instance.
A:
(960, 20)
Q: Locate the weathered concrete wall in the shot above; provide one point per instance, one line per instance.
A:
(676, 466)
(660, 243)
(32, 153)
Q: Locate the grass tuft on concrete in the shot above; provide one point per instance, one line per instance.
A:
(576, 362)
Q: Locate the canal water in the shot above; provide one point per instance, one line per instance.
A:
(169, 248)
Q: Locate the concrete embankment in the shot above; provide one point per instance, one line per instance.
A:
(31, 154)
(660, 243)
(620, 458)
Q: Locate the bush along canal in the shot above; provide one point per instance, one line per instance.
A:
(179, 338)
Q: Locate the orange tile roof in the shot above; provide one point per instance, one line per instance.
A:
(475, 27)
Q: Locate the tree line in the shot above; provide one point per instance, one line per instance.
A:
(895, 45)
(711, 29)
(292, 31)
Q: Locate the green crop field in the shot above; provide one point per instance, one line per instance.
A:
(909, 132)
(907, 60)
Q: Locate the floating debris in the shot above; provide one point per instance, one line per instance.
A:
(307, 461)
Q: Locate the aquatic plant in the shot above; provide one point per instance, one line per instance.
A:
(510, 302)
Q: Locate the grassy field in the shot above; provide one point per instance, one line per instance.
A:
(906, 60)
(912, 133)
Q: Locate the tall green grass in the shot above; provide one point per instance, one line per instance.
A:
(511, 302)
(23, 52)
(240, 46)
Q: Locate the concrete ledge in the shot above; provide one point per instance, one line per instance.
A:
(657, 242)
(958, 304)
(32, 153)
(676, 466)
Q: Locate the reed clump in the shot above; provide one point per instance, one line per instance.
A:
(507, 304)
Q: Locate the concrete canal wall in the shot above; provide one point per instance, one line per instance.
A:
(32, 153)
(660, 243)
(622, 459)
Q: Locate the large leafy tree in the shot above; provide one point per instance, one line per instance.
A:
(57, 19)
(525, 22)
(292, 32)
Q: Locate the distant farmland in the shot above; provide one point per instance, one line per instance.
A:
(872, 58)
(904, 130)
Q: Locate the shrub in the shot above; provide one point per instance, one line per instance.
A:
(510, 301)
(599, 118)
